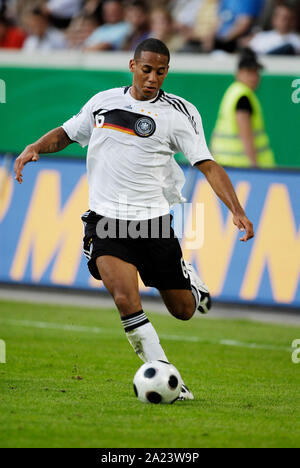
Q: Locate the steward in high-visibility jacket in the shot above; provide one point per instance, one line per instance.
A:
(232, 146)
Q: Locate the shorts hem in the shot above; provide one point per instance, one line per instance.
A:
(166, 286)
(92, 265)
(171, 288)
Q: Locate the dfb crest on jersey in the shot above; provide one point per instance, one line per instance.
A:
(145, 127)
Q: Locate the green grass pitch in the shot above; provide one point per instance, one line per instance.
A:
(68, 377)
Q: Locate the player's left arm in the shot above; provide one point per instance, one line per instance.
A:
(222, 186)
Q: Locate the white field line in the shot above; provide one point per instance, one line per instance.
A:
(110, 331)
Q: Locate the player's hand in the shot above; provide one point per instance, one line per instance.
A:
(29, 154)
(243, 224)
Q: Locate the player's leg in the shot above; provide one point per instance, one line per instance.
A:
(199, 290)
(177, 281)
(179, 302)
(121, 280)
(182, 304)
(194, 295)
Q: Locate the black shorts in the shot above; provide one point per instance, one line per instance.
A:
(157, 257)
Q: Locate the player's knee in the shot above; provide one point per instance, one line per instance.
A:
(126, 304)
(187, 315)
(184, 311)
(121, 301)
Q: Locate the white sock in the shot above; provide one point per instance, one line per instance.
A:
(143, 337)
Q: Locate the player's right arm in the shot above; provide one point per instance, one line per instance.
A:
(54, 141)
(77, 129)
(190, 140)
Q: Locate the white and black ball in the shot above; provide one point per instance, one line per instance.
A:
(157, 382)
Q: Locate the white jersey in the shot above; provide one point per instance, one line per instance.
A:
(132, 173)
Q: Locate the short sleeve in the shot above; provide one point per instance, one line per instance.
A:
(188, 135)
(79, 128)
(244, 105)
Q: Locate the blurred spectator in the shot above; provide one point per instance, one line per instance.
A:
(267, 16)
(113, 33)
(201, 36)
(184, 13)
(11, 37)
(162, 28)
(2, 6)
(64, 8)
(184, 16)
(137, 15)
(17, 10)
(80, 29)
(282, 39)
(239, 138)
(41, 35)
(9, 9)
(236, 18)
(184, 25)
(61, 12)
(207, 19)
(93, 7)
(265, 21)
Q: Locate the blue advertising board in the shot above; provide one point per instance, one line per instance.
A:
(41, 231)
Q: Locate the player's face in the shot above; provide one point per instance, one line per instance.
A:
(149, 72)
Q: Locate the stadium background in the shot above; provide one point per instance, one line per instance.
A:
(40, 222)
(66, 368)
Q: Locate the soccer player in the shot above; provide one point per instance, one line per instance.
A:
(132, 135)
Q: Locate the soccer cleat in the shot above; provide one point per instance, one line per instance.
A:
(185, 394)
(199, 290)
(205, 303)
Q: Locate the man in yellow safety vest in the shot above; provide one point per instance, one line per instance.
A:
(239, 138)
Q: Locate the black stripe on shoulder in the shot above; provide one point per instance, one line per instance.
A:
(181, 107)
(160, 94)
(173, 104)
(179, 104)
(126, 88)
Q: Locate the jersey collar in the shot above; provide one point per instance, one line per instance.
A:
(158, 96)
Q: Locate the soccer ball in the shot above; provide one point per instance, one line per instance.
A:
(157, 382)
